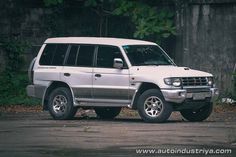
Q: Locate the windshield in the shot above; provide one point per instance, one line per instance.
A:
(146, 55)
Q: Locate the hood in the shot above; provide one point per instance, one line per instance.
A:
(167, 71)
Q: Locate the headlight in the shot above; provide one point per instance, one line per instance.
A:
(176, 82)
(173, 81)
(210, 81)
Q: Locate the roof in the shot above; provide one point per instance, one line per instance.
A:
(98, 40)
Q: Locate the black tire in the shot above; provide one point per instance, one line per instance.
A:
(157, 109)
(107, 112)
(199, 114)
(60, 104)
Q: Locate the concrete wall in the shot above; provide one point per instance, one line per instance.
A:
(31, 21)
(207, 38)
(206, 30)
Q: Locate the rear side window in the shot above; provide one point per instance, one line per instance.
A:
(53, 54)
(85, 56)
(72, 55)
(47, 55)
(59, 54)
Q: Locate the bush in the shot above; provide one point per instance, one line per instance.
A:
(13, 81)
(13, 89)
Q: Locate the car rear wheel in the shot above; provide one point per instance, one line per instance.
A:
(107, 112)
(197, 115)
(61, 104)
(152, 106)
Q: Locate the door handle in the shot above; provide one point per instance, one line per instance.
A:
(98, 75)
(67, 74)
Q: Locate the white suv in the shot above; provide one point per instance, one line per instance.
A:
(107, 74)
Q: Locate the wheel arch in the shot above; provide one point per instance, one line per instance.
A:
(142, 88)
(53, 85)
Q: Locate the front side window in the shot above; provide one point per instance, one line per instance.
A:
(146, 55)
(106, 56)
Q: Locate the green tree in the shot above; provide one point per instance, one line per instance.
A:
(52, 2)
(150, 22)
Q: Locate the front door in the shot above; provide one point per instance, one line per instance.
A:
(110, 84)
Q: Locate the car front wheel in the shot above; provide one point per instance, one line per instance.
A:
(152, 106)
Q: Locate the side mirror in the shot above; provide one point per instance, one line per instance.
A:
(118, 63)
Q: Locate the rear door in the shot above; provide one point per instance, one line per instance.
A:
(77, 71)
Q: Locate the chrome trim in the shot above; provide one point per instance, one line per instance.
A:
(174, 95)
(194, 81)
(180, 95)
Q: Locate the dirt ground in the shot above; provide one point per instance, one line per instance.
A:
(30, 132)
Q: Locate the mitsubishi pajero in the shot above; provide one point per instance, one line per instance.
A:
(106, 74)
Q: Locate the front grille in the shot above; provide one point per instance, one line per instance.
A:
(197, 90)
(194, 81)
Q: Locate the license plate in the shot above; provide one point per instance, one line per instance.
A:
(200, 96)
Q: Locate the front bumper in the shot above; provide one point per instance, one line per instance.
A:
(180, 95)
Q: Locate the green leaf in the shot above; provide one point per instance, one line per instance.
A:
(90, 3)
(52, 2)
(165, 35)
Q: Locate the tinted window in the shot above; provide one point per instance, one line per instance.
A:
(53, 54)
(106, 55)
(72, 55)
(85, 56)
(146, 55)
(59, 55)
(47, 54)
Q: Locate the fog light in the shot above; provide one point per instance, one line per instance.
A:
(182, 94)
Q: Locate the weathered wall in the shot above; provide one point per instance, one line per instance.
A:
(206, 34)
(207, 38)
(31, 21)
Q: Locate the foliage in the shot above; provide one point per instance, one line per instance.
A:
(14, 50)
(148, 20)
(92, 3)
(13, 89)
(52, 2)
(13, 82)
